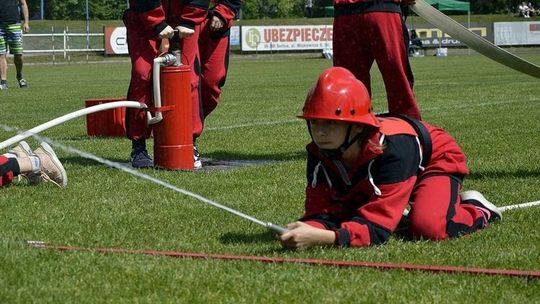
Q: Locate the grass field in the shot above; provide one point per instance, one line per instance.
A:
(491, 110)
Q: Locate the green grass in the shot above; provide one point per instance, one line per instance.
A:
(491, 110)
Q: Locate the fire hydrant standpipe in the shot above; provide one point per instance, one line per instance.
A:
(172, 124)
(70, 116)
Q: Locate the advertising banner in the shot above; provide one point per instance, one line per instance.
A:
(433, 37)
(282, 38)
(517, 33)
(116, 43)
(115, 40)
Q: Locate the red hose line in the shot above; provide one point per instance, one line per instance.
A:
(278, 260)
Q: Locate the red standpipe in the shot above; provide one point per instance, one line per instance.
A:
(173, 139)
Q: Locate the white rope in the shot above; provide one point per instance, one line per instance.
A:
(517, 206)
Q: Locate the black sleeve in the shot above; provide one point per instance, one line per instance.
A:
(145, 5)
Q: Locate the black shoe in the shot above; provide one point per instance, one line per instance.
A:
(477, 199)
(22, 83)
(141, 159)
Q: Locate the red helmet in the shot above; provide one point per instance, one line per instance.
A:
(339, 96)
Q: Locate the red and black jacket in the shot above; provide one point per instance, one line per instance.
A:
(155, 15)
(226, 10)
(364, 204)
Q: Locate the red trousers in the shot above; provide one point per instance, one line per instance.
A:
(143, 47)
(207, 52)
(214, 49)
(361, 39)
(9, 168)
(207, 55)
(437, 212)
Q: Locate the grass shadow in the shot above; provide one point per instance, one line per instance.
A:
(216, 160)
(243, 238)
(286, 156)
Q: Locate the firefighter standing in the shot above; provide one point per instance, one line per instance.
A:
(149, 21)
(214, 46)
(366, 31)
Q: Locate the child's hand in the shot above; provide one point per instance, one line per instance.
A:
(302, 235)
(166, 33)
(184, 31)
(216, 24)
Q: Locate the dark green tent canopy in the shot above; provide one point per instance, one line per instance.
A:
(442, 5)
(450, 5)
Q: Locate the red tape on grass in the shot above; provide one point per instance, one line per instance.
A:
(277, 260)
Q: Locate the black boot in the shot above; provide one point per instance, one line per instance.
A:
(139, 155)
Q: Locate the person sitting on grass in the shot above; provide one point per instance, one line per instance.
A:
(363, 170)
(41, 164)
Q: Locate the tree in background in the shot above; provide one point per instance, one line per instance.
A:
(252, 9)
(318, 7)
(107, 9)
(490, 6)
(259, 9)
(75, 9)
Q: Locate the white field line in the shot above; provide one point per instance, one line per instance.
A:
(290, 121)
(138, 173)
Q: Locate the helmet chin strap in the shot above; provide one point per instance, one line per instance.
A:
(336, 154)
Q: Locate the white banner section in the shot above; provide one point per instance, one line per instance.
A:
(286, 38)
(235, 35)
(517, 33)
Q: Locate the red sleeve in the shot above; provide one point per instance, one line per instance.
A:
(149, 14)
(320, 212)
(378, 218)
(227, 10)
(6, 170)
(193, 12)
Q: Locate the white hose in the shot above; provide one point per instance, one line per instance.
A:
(503, 208)
(69, 116)
(167, 59)
(524, 205)
(475, 42)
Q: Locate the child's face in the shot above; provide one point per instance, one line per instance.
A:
(328, 134)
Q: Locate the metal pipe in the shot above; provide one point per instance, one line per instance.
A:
(69, 116)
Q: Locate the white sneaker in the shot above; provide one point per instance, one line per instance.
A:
(477, 199)
(197, 163)
(22, 150)
(51, 167)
